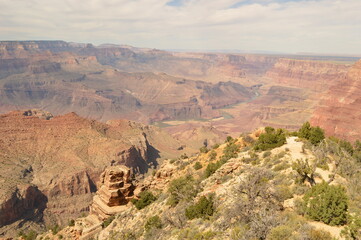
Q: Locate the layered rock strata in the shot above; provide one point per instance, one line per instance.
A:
(116, 191)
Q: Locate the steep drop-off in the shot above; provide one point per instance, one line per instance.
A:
(49, 166)
(339, 111)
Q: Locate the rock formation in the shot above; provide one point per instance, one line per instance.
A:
(116, 190)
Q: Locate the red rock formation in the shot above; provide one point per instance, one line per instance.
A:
(116, 190)
(339, 111)
(24, 201)
(306, 74)
(63, 158)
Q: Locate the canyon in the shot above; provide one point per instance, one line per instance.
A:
(230, 92)
(69, 111)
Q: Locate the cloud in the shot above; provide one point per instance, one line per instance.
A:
(323, 26)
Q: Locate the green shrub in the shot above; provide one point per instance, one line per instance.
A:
(55, 229)
(153, 223)
(197, 166)
(215, 146)
(326, 203)
(212, 168)
(71, 223)
(183, 188)
(202, 209)
(317, 135)
(146, 198)
(203, 149)
(314, 134)
(29, 236)
(230, 151)
(305, 130)
(270, 139)
(108, 221)
(353, 229)
(212, 155)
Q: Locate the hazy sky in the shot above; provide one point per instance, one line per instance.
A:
(320, 26)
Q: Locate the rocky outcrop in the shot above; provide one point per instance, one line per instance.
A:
(339, 111)
(116, 190)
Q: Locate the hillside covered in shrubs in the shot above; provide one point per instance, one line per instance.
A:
(268, 185)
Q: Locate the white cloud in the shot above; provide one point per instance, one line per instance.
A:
(324, 26)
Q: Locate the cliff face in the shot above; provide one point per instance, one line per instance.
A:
(307, 74)
(49, 166)
(339, 111)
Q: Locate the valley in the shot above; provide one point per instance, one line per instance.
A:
(83, 109)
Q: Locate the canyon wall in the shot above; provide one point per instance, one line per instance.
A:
(339, 111)
(50, 166)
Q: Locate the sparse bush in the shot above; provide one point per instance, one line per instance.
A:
(281, 166)
(283, 192)
(267, 154)
(202, 209)
(71, 223)
(146, 198)
(215, 146)
(203, 149)
(248, 139)
(280, 232)
(305, 171)
(270, 139)
(317, 234)
(184, 156)
(229, 139)
(212, 155)
(108, 221)
(29, 236)
(326, 203)
(213, 167)
(55, 229)
(197, 166)
(122, 235)
(195, 234)
(322, 163)
(230, 151)
(153, 223)
(183, 188)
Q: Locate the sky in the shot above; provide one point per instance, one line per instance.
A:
(286, 26)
